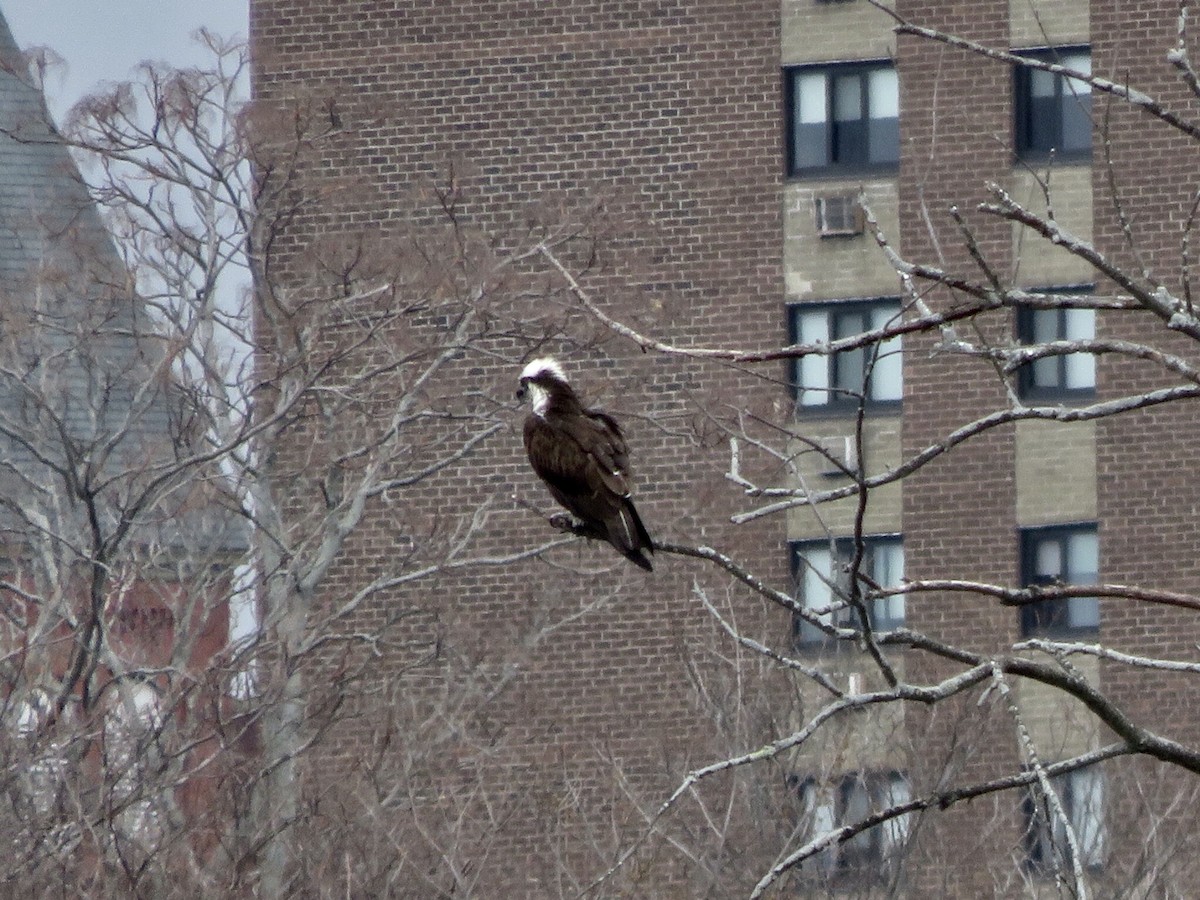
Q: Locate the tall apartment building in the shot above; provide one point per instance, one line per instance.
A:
(733, 145)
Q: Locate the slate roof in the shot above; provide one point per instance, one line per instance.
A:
(40, 191)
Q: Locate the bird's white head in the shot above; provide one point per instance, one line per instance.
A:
(545, 365)
(532, 378)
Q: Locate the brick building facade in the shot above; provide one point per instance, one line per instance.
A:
(724, 212)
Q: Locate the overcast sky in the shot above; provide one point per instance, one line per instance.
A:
(104, 41)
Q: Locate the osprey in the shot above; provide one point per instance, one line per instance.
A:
(582, 457)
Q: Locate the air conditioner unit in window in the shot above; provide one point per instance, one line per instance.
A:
(840, 456)
(839, 215)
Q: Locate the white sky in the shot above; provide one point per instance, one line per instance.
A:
(104, 41)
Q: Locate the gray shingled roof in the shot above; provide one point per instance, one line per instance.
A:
(40, 193)
(75, 356)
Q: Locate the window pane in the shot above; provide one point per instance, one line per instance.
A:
(1077, 106)
(1083, 562)
(856, 807)
(1076, 123)
(1080, 62)
(1080, 368)
(896, 830)
(849, 143)
(849, 366)
(810, 134)
(812, 104)
(1044, 372)
(883, 101)
(810, 146)
(1048, 560)
(818, 568)
(1045, 325)
(1038, 848)
(1083, 612)
(813, 374)
(1045, 114)
(848, 374)
(1080, 324)
(883, 97)
(889, 572)
(1083, 550)
(1042, 84)
(847, 98)
(887, 376)
(849, 126)
(822, 817)
(883, 140)
(889, 563)
(1080, 371)
(1087, 814)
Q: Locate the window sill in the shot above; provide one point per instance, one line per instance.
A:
(1022, 160)
(1060, 633)
(1065, 397)
(850, 173)
(849, 409)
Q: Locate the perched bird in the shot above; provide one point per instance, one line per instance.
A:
(582, 457)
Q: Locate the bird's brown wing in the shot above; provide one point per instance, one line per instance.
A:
(578, 459)
(610, 450)
(584, 462)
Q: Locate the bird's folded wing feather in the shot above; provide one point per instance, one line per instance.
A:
(582, 453)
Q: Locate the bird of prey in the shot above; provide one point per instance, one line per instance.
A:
(582, 457)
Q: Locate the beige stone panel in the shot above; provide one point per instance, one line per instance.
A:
(871, 739)
(880, 452)
(835, 268)
(1047, 23)
(1059, 725)
(1038, 262)
(1056, 472)
(824, 32)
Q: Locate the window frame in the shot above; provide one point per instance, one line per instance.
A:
(832, 167)
(1025, 329)
(826, 804)
(1044, 833)
(841, 400)
(1052, 617)
(808, 636)
(1022, 100)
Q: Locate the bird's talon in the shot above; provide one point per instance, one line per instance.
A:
(562, 521)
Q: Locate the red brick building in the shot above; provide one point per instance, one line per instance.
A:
(724, 211)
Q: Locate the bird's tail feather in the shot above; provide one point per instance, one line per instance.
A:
(630, 537)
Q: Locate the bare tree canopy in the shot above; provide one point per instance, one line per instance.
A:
(282, 616)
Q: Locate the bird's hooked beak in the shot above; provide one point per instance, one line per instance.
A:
(522, 390)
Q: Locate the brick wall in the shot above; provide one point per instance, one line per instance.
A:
(1146, 498)
(669, 114)
(959, 513)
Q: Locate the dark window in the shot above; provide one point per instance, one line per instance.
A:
(1081, 797)
(872, 372)
(1053, 112)
(1060, 554)
(822, 581)
(1064, 376)
(842, 118)
(849, 800)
